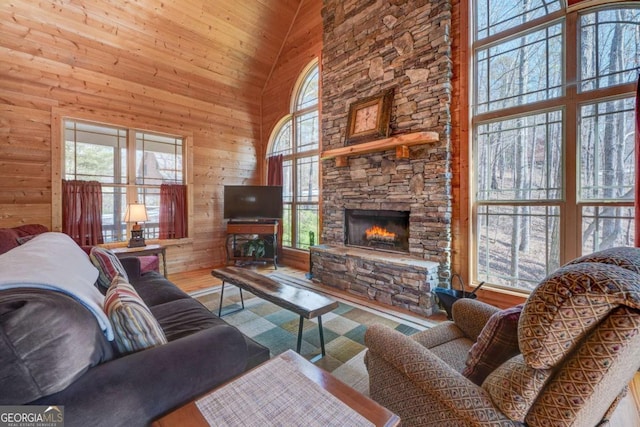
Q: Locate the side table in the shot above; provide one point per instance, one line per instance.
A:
(156, 250)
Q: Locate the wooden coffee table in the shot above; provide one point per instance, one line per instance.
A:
(191, 416)
(307, 304)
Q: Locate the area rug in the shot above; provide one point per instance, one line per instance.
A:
(277, 329)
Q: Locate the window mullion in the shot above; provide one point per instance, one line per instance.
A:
(294, 180)
(520, 110)
(132, 193)
(609, 92)
(131, 190)
(570, 243)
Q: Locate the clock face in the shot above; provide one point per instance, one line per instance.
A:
(366, 119)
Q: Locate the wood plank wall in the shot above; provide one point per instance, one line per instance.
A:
(185, 66)
(303, 44)
(459, 135)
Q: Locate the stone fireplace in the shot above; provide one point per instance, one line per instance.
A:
(382, 230)
(371, 46)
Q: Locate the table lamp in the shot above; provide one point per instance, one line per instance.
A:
(136, 212)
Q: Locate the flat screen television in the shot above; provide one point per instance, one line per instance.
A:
(252, 202)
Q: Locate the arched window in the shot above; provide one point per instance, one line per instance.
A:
(296, 137)
(553, 135)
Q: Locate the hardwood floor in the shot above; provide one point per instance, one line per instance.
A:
(194, 280)
(627, 413)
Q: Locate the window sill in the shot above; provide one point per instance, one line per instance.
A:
(173, 242)
(163, 242)
(500, 297)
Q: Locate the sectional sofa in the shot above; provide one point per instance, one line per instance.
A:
(55, 349)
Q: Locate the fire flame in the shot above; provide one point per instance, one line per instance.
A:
(379, 233)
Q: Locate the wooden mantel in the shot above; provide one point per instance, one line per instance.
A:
(400, 142)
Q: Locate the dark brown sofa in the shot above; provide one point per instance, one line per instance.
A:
(53, 352)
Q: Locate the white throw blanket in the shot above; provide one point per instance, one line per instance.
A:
(54, 261)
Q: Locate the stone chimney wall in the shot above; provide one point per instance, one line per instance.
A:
(371, 46)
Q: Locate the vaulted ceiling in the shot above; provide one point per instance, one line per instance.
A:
(196, 48)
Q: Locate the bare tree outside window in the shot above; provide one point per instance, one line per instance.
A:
(534, 207)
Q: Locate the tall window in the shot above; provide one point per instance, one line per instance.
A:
(553, 135)
(297, 139)
(130, 164)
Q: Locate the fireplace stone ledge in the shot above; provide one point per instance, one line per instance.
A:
(388, 278)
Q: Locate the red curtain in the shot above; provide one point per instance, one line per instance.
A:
(274, 170)
(82, 211)
(274, 177)
(637, 155)
(173, 211)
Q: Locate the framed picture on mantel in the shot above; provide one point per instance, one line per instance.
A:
(369, 118)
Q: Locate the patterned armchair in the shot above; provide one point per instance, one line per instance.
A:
(576, 345)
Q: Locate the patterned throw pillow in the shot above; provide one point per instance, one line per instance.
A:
(134, 326)
(497, 343)
(108, 265)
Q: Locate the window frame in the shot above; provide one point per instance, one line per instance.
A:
(58, 117)
(294, 156)
(570, 102)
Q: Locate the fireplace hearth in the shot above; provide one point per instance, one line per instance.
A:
(384, 230)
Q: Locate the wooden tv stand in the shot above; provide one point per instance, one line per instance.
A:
(239, 232)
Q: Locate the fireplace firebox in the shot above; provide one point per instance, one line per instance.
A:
(385, 230)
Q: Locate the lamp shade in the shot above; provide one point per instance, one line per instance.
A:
(136, 212)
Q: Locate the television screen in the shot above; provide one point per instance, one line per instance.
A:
(252, 202)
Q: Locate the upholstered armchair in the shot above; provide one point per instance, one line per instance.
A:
(562, 359)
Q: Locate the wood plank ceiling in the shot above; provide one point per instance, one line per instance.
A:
(196, 48)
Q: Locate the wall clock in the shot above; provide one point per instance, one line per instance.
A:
(369, 118)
